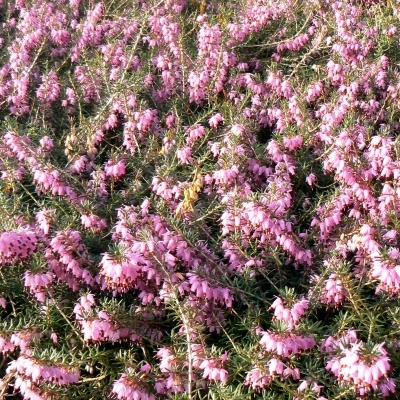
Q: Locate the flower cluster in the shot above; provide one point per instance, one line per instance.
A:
(103, 327)
(68, 259)
(129, 388)
(32, 370)
(38, 284)
(17, 246)
(334, 294)
(353, 364)
(290, 315)
(287, 344)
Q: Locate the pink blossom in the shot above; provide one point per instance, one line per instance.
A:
(115, 169)
(17, 246)
(38, 284)
(291, 315)
(286, 344)
(94, 222)
(293, 143)
(46, 145)
(311, 179)
(194, 133)
(185, 155)
(215, 120)
(350, 366)
(49, 90)
(257, 378)
(3, 302)
(129, 388)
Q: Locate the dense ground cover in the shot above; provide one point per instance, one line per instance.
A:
(199, 199)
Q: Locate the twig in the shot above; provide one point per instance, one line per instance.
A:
(66, 318)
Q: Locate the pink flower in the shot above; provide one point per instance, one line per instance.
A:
(94, 222)
(54, 337)
(36, 371)
(390, 236)
(129, 388)
(333, 293)
(170, 121)
(122, 273)
(87, 301)
(167, 359)
(303, 386)
(16, 246)
(3, 302)
(276, 366)
(38, 284)
(194, 133)
(145, 368)
(46, 144)
(6, 346)
(286, 344)
(185, 155)
(292, 315)
(257, 378)
(49, 90)
(356, 367)
(115, 169)
(215, 120)
(311, 179)
(213, 369)
(293, 143)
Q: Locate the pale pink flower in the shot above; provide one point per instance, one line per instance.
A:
(170, 121)
(128, 388)
(390, 236)
(292, 315)
(3, 302)
(351, 366)
(46, 145)
(115, 169)
(49, 90)
(333, 293)
(257, 378)
(286, 344)
(194, 133)
(38, 284)
(213, 369)
(215, 120)
(293, 143)
(311, 179)
(185, 155)
(94, 222)
(54, 337)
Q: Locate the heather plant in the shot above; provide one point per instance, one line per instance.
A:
(199, 199)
